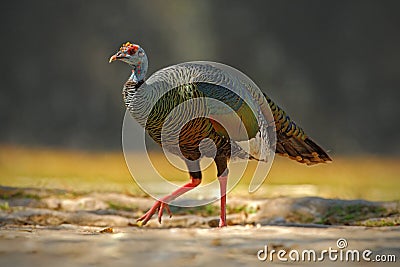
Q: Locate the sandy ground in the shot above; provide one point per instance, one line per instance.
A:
(69, 245)
(57, 228)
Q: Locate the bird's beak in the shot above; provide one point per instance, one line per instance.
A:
(116, 56)
(113, 58)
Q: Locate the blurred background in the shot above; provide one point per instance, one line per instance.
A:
(332, 65)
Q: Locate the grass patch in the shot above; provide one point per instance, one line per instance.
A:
(350, 214)
(18, 194)
(121, 207)
(299, 217)
(213, 210)
(4, 206)
(248, 209)
(380, 222)
(368, 178)
(205, 210)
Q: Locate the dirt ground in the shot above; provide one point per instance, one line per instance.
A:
(58, 228)
(70, 245)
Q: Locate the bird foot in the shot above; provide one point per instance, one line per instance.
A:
(158, 206)
(222, 223)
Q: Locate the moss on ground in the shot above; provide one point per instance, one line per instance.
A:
(121, 207)
(351, 214)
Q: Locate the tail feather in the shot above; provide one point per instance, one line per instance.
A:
(292, 141)
(304, 151)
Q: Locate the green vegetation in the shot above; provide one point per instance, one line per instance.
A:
(77, 171)
(351, 214)
(4, 206)
(213, 210)
(248, 209)
(381, 222)
(18, 194)
(206, 210)
(299, 217)
(121, 207)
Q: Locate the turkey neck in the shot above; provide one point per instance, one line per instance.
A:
(137, 99)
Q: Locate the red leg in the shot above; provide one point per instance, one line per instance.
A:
(163, 203)
(222, 185)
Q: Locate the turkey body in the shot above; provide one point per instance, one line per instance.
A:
(203, 109)
(291, 141)
(189, 135)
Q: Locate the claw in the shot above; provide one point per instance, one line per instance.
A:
(159, 207)
(161, 210)
(168, 210)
